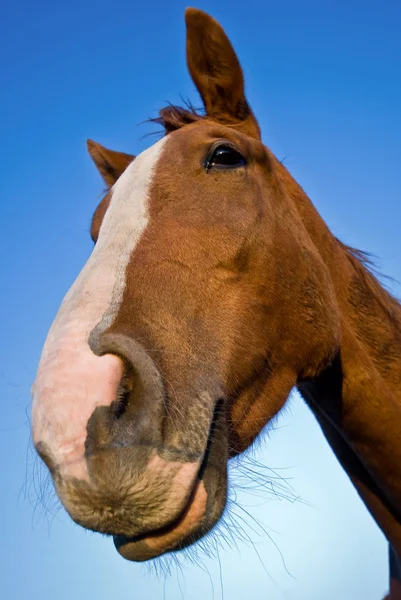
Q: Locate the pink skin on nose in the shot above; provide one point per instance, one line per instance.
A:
(71, 383)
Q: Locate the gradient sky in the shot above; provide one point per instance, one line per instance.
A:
(323, 78)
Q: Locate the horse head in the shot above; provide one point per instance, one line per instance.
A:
(204, 301)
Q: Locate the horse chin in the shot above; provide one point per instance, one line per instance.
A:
(200, 515)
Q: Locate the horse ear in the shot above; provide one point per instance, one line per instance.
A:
(110, 164)
(216, 72)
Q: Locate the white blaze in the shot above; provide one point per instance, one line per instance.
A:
(71, 381)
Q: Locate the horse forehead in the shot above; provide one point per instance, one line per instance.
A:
(132, 188)
(131, 195)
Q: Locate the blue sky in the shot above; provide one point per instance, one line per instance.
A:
(323, 79)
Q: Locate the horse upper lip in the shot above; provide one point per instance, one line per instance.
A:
(121, 539)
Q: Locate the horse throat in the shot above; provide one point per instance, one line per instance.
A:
(357, 399)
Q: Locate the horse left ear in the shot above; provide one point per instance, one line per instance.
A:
(216, 71)
(111, 164)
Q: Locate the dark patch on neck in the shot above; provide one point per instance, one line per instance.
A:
(325, 391)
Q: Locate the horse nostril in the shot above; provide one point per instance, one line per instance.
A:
(138, 409)
(124, 393)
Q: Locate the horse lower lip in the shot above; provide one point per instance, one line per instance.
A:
(153, 544)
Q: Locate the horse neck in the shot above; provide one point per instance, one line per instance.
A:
(361, 392)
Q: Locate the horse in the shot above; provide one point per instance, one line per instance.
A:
(213, 289)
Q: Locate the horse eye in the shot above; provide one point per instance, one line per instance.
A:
(225, 157)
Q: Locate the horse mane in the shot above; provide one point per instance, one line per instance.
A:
(365, 266)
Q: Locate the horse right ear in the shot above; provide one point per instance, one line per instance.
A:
(216, 72)
(111, 164)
